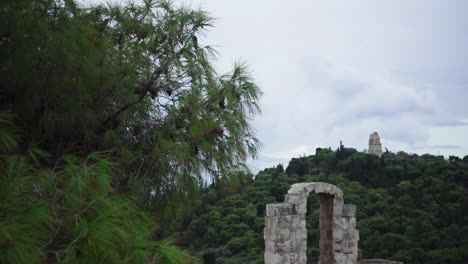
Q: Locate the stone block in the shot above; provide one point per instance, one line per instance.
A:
(350, 247)
(269, 234)
(280, 209)
(288, 221)
(339, 225)
(339, 193)
(301, 234)
(338, 246)
(340, 258)
(301, 185)
(349, 210)
(303, 245)
(289, 246)
(337, 209)
(320, 188)
(310, 187)
(355, 235)
(351, 258)
(269, 246)
(275, 234)
(282, 247)
(299, 200)
(352, 235)
(349, 223)
(298, 188)
(296, 198)
(286, 258)
(277, 222)
(292, 258)
(302, 258)
(269, 257)
(284, 234)
(338, 219)
(338, 235)
(338, 203)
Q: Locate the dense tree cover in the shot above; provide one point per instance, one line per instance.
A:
(409, 208)
(110, 117)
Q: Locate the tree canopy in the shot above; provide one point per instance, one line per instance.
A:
(110, 118)
(409, 208)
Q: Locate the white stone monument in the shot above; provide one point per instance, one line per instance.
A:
(375, 147)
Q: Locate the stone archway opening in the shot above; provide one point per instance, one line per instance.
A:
(285, 227)
(326, 227)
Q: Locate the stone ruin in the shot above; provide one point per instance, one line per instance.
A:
(285, 230)
(375, 147)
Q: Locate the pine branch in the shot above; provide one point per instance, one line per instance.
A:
(147, 87)
(153, 79)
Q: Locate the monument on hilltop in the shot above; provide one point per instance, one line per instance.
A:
(375, 147)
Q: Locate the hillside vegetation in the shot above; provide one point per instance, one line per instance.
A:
(409, 208)
(112, 118)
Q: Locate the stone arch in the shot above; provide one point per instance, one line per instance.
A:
(285, 226)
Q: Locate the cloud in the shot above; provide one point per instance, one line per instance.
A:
(293, 152)
(353, 102)
(449, 123)
(439, 147)
(338, 70)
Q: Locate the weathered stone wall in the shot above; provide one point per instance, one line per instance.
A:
(285, 234)
(350, 233)
(285, 227)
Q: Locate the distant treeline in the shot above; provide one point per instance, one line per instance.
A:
(409, 208)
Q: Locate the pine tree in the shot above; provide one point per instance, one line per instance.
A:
(107, 111)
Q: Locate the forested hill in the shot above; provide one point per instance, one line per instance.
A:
(409, 208)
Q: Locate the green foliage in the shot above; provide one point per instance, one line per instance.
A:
(167, 253)
(71, 214)
(409, 208)
(108, 113)
(130, 80)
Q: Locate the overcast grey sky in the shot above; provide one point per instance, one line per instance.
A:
(339, 70)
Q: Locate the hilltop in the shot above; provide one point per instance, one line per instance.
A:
(411, 208)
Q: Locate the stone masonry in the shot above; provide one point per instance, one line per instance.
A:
(375, 147)
(285, 227)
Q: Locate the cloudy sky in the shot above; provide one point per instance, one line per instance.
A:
(339, 70)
